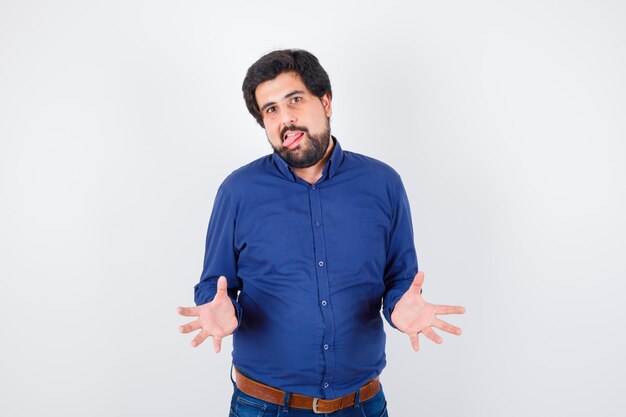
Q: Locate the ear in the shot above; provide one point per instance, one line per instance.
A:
(326, 102)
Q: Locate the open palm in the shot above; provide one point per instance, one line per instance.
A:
(216, 318)
(414, 315)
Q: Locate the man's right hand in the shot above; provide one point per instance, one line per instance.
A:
(216, 318)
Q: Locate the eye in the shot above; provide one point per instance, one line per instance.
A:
(296, 99)
(270, 110)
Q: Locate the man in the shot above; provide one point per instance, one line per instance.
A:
(302, 247)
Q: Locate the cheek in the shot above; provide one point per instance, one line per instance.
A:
(273, 134)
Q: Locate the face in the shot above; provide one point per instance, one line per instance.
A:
(296, 121)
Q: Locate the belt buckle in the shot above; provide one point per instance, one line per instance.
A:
(315, 410)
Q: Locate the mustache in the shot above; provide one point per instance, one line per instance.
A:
(293, 127)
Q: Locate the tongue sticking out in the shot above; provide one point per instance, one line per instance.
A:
(291, 140)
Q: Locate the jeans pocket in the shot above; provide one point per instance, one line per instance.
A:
(246, 406)
(376, 406)
(381, 413)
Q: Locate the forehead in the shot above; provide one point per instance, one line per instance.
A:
(276, 89)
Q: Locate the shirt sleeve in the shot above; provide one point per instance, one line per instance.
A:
(401, 263)
(220, 256)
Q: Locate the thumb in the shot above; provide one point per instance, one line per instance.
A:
(418, 281)
(222, 286)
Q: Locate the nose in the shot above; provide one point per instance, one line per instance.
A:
(288, 116)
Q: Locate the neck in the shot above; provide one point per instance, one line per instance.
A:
(314, 172)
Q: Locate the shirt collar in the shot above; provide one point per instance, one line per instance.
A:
(333, 163)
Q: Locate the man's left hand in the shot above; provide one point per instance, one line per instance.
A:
(414, 315)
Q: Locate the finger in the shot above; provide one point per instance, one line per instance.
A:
(415, 341)
(200, 337)
(430, 333)
(418, 281)
(442, 309)
(187, 311)
(190, 327)
(445, 326)
(217, 343)
(222, 286)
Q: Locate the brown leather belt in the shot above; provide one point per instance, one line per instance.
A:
(318, 405)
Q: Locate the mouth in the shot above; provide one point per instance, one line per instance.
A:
(291, 134)
(291, 137)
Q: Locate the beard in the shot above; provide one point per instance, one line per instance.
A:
(305, 157)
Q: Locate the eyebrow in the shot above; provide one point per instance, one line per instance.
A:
(266, 105)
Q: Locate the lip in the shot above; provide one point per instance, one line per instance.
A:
(291, 132)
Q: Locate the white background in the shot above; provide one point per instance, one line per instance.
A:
(505, 119)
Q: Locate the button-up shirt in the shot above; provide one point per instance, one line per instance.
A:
(309, 267)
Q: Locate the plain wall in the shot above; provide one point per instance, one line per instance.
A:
(505, 119)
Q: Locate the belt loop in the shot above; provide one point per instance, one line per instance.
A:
(286, 401)
(357, 398)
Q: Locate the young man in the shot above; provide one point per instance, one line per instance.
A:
(302, 246)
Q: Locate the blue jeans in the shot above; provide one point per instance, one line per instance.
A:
(243, 405)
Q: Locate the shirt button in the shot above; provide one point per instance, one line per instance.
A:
(326, 384)
(326, 347)
(314, 186)
(317, 224)
(321, 263)
(324, 303)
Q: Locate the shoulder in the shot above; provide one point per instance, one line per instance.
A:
(380, 178)
(367, 165)
(240, 180)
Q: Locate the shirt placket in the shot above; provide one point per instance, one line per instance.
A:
(323, 287)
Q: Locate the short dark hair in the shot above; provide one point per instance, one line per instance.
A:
(275, 63)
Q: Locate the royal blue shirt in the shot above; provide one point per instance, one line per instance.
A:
(308, 266)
